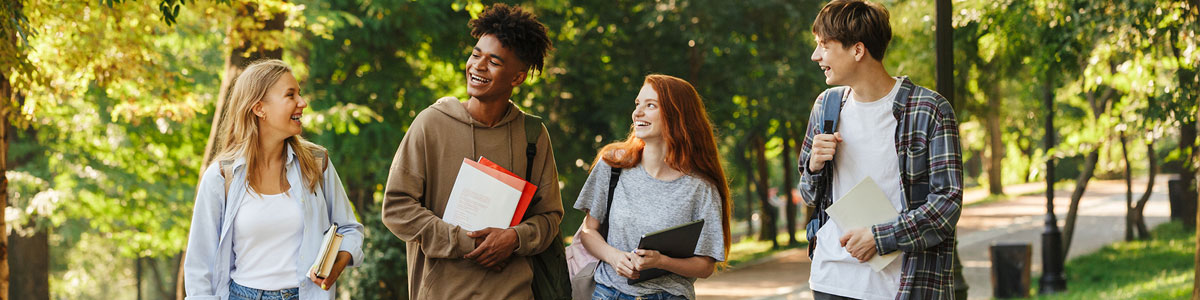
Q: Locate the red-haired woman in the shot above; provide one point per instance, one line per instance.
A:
(671, 175)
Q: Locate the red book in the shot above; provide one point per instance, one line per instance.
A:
(526, 193)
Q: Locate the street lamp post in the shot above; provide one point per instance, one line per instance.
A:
(1052, 256)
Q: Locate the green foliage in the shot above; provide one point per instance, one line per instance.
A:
(1110, 67)
(384, 275)
(118, 95)
(1161, 268)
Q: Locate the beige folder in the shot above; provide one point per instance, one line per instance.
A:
(864, 206)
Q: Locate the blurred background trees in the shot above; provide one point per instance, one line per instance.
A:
(107, 106)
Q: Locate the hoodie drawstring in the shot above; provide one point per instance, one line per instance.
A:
(512, 159)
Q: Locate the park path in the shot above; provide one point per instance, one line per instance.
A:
(1020, 219)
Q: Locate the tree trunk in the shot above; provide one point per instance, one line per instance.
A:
(1098, 105)
(1196, 260)
(1081, 182)
(749, 168)
(1128, 190)
(30, 258)
(137, 267)
(788, 181)
(769, 229)
(241, 54)
(1139, 210)
(995, 145)
(1187, 142)
(6, 97)
(160, 284)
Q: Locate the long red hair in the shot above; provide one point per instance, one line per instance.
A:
(688, 134)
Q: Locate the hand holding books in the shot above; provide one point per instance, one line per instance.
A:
(330, 261)
(493, 246)
(489, 200)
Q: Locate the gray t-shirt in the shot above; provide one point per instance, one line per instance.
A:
(643, 204)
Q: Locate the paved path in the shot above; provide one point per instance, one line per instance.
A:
(1021, 220)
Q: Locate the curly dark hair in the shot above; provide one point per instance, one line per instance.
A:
(518, 30)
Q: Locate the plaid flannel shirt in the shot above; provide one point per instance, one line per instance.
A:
(927, 146)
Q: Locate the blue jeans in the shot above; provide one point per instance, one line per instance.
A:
(603, 292)
(239, 292)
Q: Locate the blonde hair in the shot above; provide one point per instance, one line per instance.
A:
(240, 126)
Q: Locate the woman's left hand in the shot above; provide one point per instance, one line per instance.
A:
(339, 264)
(648, 259)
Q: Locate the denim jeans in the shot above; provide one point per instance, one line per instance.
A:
(603, 292)
(239, 292)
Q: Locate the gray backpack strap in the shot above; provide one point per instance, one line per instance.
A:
(832, 106)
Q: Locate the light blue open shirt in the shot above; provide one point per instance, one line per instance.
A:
(210, 258)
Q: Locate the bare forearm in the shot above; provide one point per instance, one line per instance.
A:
(597, 246)
(694, 267)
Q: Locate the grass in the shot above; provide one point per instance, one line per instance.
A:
(751, 249)
(1160, 268)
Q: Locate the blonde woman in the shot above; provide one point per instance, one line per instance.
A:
(263, 205)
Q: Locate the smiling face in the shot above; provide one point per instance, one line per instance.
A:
(837, 61)
(493, 70)
(280, 110)
(647, 115)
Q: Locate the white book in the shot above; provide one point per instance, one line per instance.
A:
(482, 197)
(864, 206)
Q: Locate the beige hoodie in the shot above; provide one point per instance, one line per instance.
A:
(418, 186)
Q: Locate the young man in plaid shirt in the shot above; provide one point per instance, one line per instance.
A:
(901, 135)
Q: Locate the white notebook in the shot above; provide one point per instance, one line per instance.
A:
(482, 197)
(864, 206)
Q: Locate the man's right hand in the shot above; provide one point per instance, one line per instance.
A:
(823, 147)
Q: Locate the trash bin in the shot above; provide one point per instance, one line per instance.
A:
(1183, 202)
(1010, 269)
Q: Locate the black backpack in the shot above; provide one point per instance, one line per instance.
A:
(550, 279)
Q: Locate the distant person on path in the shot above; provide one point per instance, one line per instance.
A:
(263, 206)
(444, 260)
(671, 175)
(904, 137)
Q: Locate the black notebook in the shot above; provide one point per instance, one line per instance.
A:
(678, 242)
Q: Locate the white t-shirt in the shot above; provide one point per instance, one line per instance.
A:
(868, 148)
(266, 242)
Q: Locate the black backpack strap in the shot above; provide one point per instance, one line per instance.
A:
(533, 130)
(613, 177)
(533, 126)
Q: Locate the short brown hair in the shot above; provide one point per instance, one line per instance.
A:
(853, 21)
